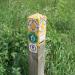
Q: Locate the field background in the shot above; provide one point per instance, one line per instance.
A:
(60, 40)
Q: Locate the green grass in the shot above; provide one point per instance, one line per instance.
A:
(60, 40)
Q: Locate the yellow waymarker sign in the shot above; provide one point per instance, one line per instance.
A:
(37, 24)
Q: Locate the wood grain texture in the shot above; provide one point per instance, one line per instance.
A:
(37, 61)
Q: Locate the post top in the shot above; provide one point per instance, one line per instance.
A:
(37, 16)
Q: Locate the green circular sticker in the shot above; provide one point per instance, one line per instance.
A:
(33, 37)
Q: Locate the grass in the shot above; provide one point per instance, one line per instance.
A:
(60, 40)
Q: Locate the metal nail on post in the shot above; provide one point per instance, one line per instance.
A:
(36, 40)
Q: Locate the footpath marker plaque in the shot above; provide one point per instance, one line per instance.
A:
(36, 40)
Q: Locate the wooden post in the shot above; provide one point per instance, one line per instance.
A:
(36, 40)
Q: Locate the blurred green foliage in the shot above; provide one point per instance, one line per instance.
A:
(60, 41)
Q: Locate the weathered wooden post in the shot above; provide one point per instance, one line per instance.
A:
(36, 40)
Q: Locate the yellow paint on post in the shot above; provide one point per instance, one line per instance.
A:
(37, 24)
